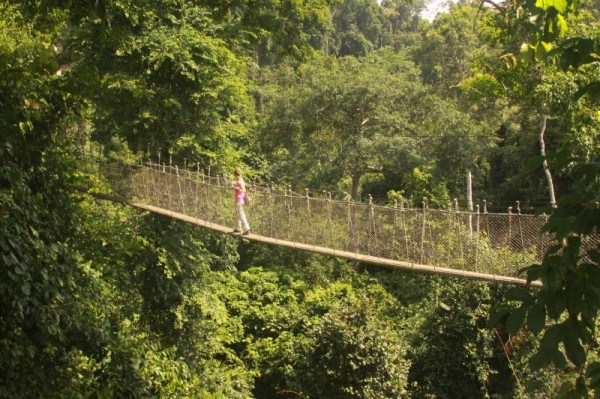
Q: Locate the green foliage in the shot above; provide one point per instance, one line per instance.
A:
(333, 121)
(458, 368)
(419, 184)
(565, 310)
(359, 352)
(99, 300)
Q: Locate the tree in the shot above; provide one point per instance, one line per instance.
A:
(357, 349)
(449, 46)
(359, 27)
(570, 270)
(341, 110)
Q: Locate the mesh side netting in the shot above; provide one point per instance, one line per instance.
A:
(492, 243)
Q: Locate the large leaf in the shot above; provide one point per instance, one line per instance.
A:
(520, 294)
(515, 320)
(574, 349)
(536, 318)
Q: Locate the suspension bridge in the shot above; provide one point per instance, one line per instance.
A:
(474, 245)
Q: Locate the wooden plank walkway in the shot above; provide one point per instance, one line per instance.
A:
(397, 264)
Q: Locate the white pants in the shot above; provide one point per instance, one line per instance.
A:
(240, 220)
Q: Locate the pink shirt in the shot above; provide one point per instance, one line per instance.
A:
(239, 194)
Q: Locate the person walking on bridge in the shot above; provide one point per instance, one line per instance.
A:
(239, 187)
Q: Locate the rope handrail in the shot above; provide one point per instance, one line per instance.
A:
(214, 181)
(488, 246)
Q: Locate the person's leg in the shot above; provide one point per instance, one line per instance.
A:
(239, 209)
(243, 219)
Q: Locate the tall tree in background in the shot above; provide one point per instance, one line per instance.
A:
(335, 120)
(449, 46)
(359, 27)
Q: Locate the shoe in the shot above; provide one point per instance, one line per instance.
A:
(236, 231)
(246, 232)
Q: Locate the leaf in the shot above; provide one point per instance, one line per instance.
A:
(566, 390)
(558, 359)
(526, 52)
(515, 320)
(540, 360)
(560, 5)
(593, 373)
(536, 318)
(591, 89)
(518, 294)
(562, 25)
(26, 288)
(534, 272)
(497, 315)
(534, 163)
(541, 51)
(574, 349)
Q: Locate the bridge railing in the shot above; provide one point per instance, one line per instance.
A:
(492, 243)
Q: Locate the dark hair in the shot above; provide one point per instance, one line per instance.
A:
(238, 172)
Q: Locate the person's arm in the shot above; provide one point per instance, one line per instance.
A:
(242, 186)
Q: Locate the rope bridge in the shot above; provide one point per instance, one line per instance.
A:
(483, 246)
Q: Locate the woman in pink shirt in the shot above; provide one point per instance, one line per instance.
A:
(240, 195)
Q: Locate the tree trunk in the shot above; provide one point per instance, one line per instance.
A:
(355, 185)
(545, 164)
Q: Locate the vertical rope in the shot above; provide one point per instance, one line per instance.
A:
(272, 200)
(487, 221)
(520, 226)
(350, 227)
(509, 238)
(329, 205)
(423, 233)
(145, 182)
(509, 243)
(371, 228)
(542, 236)
(170, 184)
(196, 185)
(156, 178)
(308, 216)
(181, 197)
(404, 217)
(98, 160)
(477, 238)
(288, 202)
(395, 229)
(458, 225)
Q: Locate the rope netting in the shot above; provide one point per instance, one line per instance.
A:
(491, 243)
